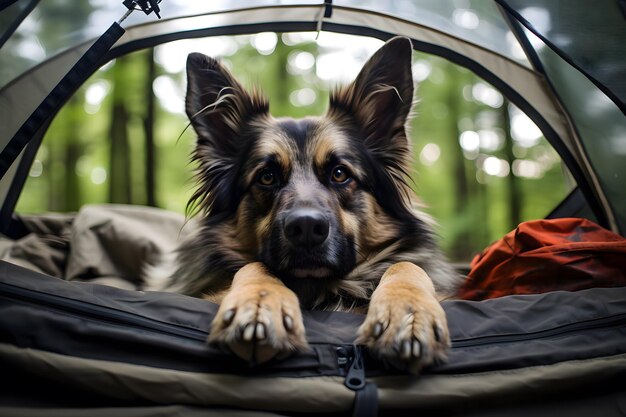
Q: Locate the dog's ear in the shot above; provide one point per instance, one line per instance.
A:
(378, 103)
(219, 109)
(216, 104)
(381, 97)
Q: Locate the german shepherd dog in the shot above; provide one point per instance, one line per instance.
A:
(313, 213)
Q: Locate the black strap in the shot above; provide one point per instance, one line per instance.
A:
(77, 75)
(6, 3)
(17, 21)
(328, 10)
(366, 401)
(7, 226)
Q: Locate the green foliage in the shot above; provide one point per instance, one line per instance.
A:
(466, 188)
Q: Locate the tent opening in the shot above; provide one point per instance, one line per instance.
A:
(481, 166)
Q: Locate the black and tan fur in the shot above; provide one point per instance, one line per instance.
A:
(313, 213)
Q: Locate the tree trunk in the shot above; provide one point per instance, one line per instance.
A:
(149, 120)
(72, 151)
(458, 160)
(461, 189)
(119, 156)
(515, 192)
(54, 179)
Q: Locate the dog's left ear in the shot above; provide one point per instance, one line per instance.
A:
(381, 96)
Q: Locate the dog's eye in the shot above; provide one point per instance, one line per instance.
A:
(267, 178)
(340, 174)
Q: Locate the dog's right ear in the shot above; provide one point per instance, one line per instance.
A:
(217, 105)
(218, 108)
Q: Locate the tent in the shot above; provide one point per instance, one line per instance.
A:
(508, 356)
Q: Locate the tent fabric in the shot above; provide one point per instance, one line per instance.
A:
(548, 255)
(558, 24)
(594, 112)
(598, 124)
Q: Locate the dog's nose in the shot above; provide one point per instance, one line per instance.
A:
(306, 227)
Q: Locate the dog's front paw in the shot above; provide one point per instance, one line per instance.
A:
(259, 319)
(405, 326)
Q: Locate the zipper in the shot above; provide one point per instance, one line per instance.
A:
(561, 330)
(350, 361)
(101, 313)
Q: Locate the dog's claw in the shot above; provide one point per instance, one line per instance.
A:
(248, 332)
(229, 315)
(405, 352)
(417, 349)
(438, 332)
(288, 322)
(378, 330)
(260, 331)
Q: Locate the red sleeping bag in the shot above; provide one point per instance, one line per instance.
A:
(547, 255)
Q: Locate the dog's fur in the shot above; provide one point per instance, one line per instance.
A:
(312, 212)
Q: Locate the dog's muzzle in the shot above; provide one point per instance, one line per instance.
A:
(306, 228)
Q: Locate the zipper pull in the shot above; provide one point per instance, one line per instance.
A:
(352, 358)
(365, 404)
